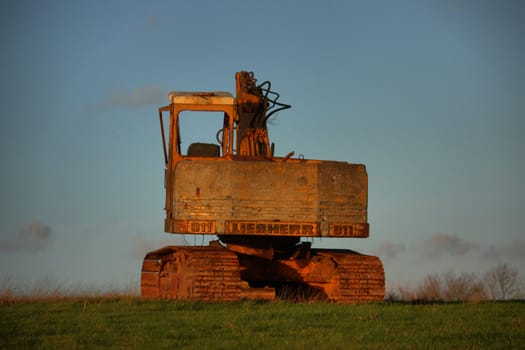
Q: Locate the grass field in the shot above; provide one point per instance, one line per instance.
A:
(131, 323)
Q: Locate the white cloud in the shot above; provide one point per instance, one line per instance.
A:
(514, 250)
(444, 244)
(151, 23)
(389, 250)
(138, 97)
(30, 237)
(141, 246)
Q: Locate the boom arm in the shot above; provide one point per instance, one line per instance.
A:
(253, 105)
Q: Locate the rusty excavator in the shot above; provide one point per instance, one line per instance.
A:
(259, 206)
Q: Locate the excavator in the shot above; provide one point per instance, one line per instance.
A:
(262, 212)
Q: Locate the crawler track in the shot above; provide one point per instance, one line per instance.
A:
(341, 276)
(192, 273)
(216, 274)
(361, 277)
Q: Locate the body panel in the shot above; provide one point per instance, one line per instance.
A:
(307, 198)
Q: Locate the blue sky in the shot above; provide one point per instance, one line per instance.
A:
(430, 95)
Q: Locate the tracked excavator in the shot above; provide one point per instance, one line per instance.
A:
(263, 211)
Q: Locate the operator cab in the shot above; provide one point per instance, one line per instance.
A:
(238, 125)
(201, 124)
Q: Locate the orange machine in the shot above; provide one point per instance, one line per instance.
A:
(259, 206)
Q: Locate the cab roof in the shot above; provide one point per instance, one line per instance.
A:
(213, 97)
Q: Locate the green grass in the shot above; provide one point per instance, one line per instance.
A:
(131, 323)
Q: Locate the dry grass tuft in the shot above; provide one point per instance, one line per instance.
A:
(48, 289)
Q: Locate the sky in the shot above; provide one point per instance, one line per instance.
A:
(429, 95)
